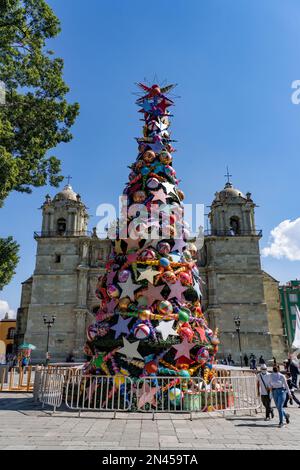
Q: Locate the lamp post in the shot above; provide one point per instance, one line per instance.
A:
(237, 322)
(48, 323)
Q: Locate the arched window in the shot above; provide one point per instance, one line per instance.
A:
(11, 333)
(235, 228)
(61, 226)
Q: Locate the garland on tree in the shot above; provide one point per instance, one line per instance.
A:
(150, 321)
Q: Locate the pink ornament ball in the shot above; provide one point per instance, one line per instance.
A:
(147, 255)
(184, 278)
(164, 248)
(141, 331)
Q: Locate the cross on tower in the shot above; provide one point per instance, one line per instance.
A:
(68, 178)
(227, 175)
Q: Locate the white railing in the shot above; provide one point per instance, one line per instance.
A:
(50, 390)
(148, 394)
(99, 393)
(233, 394)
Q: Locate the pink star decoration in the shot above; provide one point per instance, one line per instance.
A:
(153, 293)
(183, 349)
(159, 196)
(176, 290)
(147, 395)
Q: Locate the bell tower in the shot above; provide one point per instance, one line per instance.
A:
(65, 215)
(232, 212)
(234, 278)
(60, 278)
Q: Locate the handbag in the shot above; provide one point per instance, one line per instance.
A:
(267, 388)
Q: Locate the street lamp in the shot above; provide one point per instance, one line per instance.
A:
(237, 322)
(49, 323)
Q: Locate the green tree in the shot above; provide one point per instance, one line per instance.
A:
(8, 260)
(36, 116)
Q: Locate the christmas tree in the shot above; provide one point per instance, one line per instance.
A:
(150, 322)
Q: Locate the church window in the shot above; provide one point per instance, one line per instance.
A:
(234, 225)
(61, 226)
(57, 258)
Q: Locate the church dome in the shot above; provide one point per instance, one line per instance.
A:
(67, 194)
(230, 192)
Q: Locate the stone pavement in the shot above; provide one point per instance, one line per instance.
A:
(25, 425)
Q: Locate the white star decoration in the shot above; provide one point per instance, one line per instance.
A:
(130, 349)
(170, 188)
(148, 274)
(128, 288)
(165, 328)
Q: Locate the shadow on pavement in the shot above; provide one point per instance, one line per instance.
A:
(18, 404)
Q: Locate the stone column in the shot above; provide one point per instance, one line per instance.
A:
(82, 286)
(51, 221)
(80, 336)
(223, 228)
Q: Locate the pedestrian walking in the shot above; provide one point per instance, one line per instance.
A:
(252, 362)
(246, 360)
(261, 360)
(263, 379)
(292, 388)
(229, 360)
(280, 389)
(294, 370)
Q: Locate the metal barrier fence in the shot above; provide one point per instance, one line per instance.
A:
(233, 394)
(50, 391)
(99, 393)
(148, 394)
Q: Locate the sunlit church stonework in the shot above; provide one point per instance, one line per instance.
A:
(69, 260)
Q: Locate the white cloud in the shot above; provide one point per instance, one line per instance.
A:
(4, 307)
(285, 241)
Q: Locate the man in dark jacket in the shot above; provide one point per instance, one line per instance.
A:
(292, 388)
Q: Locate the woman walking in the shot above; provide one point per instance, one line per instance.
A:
(280, 389)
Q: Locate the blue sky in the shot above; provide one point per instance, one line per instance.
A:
(234, 61)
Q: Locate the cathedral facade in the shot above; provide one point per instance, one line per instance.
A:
(69, 261)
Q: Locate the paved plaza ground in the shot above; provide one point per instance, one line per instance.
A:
(25, 425)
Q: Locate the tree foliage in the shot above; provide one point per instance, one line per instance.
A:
(36, 116)
(8, 260)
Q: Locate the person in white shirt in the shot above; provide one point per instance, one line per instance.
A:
(263, 379)
(279, 388)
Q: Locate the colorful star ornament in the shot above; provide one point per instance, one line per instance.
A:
(150, 321)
